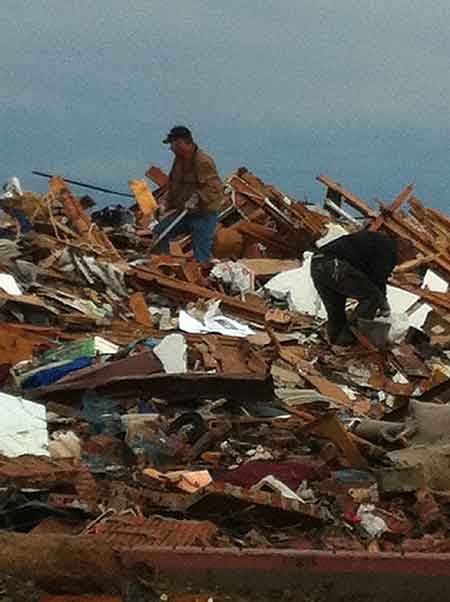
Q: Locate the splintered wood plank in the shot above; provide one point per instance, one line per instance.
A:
(72, 207)
(269, 237)
(409, 362)
(156, 175)
(295, 357)
(351, 199)
(243, 187)
(266, 266)
(188, 291)
(140, 309)
(395, 206)
(432, 216)
(403, 229)
(413, 264)
(79, 218)
(144, 196)
(329, 389)
(19, 344)
(438, 377)
(330, 427)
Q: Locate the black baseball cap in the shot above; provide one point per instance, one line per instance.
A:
(179, 131)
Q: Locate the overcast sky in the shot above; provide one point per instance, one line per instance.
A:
(356, 89)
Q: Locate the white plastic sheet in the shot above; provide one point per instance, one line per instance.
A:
(9, 285)
(213, 321)
(400, 300)
(418, 317)
(434, 283)
(23, 427)
(298, 288)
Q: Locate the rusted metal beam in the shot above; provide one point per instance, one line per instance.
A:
(342, 575)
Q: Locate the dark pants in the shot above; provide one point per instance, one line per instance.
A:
(335, 281)
(202, 229)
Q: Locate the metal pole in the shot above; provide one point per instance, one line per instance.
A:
(84, 185)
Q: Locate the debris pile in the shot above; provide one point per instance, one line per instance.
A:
(149, 400)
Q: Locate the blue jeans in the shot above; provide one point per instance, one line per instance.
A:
(201, 227)
(25, 224)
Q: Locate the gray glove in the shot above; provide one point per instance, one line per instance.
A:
(385, 310)
(193, 202)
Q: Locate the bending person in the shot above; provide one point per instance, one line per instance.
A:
(355, 266)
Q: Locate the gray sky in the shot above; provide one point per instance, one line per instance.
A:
(356, 89)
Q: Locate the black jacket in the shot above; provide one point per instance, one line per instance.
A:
(372, 253)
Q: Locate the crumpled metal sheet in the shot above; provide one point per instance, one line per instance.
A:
(266, 498)
(36, 470)
(89, 378)
(122, 497)
(174, 387)
(124, 533)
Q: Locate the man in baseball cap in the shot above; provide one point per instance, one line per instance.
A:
(195, 185)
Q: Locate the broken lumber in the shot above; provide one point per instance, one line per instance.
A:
(188, 291)
(394, 206)
(351, 199)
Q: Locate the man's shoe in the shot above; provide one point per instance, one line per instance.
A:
(346, 339)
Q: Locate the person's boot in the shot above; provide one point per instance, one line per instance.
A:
(345, 338)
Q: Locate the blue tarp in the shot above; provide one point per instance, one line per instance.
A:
(49, 376)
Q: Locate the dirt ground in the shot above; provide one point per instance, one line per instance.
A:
(13, 591)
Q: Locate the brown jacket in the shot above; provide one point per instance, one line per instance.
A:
(198, 174)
